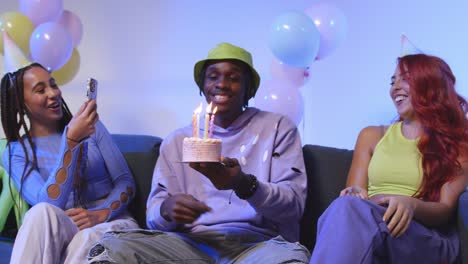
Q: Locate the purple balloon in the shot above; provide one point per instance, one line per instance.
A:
(51, 45)
(332, 25)
(280, 96)
(41, 11)
(73, 24)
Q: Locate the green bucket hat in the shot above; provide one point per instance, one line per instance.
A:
(225, 51)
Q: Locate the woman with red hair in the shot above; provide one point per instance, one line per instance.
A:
(403, 185)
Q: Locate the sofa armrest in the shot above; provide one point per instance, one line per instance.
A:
(463, 225)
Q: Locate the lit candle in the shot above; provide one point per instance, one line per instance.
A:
(207, 120)
(194, 124)
(196, 120)
(212, 121)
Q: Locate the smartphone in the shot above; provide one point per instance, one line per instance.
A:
(91, 89)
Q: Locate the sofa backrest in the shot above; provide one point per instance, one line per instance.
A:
(141, 153)
(327, 169)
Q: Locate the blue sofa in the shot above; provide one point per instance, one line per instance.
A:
(326, 168)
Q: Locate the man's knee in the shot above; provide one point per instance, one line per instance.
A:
(295, 252)
(278, 250)
(86, 236)
(98, 254)
(120, 247)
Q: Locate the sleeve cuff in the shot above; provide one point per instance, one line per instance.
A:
(64, 140)
(260, 195)
(156, 221)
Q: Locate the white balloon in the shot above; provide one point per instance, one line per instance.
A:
(280, 96)
(298, 76)
(331, 23)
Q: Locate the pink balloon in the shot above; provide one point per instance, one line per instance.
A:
(298, 76)
(51, 45)
(331, 24)
(279, 96)
(41, 11)
(73, 24)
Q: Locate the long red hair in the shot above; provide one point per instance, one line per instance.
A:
(442, 113)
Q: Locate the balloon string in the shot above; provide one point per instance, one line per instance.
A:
(303, 125)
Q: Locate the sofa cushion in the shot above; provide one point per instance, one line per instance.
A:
(327, 170)
(141, 153)
(6, 247)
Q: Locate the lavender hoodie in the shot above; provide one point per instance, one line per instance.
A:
(268, 146)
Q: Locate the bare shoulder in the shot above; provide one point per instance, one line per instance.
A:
(373, 133)
(369, 137)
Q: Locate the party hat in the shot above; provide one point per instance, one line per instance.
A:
(407, 47)
(14, 57)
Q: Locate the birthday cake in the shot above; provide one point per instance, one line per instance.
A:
(201, 149)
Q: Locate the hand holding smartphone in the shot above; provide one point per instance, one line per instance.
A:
(82, 124)
(91, 89)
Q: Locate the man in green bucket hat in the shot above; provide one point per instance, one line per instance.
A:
(226, 51)
(245, 208)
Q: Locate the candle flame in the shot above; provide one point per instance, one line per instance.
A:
(198, 109)
(215, 109)
(208, 108)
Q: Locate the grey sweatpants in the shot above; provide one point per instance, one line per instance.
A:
(147, 246)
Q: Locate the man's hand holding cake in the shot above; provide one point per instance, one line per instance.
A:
(224, 175)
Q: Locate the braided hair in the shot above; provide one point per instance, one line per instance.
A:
(13, 111)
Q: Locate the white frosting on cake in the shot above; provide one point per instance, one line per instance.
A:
(201, 150)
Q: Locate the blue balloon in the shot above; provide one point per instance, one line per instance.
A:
(294, 39)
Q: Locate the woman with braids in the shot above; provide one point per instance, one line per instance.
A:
(405, 179)
(66, 166)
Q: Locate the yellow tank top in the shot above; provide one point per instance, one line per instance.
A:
(395, 166)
